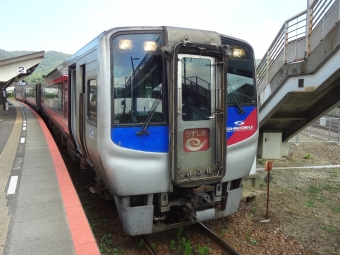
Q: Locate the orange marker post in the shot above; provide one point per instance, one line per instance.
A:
(269, 167)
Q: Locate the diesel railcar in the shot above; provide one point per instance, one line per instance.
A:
(166, 117)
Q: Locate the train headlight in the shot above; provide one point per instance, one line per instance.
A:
(239, 53)
(150, 45)
(125, 44)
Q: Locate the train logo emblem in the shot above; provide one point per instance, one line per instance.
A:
(239, 123)
(196, 139)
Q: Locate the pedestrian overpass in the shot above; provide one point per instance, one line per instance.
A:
(298, 80)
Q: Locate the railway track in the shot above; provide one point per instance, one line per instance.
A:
(148, 246)
(219, 243)
(225, 248)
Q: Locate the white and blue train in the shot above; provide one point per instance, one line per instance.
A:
(166, 117)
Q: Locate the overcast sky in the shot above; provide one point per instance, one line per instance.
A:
(66, 26)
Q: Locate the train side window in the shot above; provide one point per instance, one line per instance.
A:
(92, 100)
(60, 99)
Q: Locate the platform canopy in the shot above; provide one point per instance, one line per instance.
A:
(15, 69)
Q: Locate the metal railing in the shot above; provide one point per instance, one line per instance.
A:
(196, 80)
(326, 128)
(142, 64)
(197, 88)
(297, 38)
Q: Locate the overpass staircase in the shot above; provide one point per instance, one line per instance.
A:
(298, 80)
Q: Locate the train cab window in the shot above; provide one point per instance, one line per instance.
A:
(196, 88)
(240, 86)
(137, 79)
(92, 102)
(240, 74)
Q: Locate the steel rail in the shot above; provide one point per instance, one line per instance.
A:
(220, 243)
(148, 246)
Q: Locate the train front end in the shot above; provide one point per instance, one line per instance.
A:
(181, 101)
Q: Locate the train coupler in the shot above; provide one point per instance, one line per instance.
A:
(199, 215)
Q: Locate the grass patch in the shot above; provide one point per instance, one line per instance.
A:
(247, 234)
(310, 203)
(329, 229)
(254, 210)
(262, 161)
(253, 242)
(334, 173)
(179, 233)
(105, 243)
(313, 189)
(223, 231)
(283, 190)
(263, 184)
(336, 208)
(140, 245)
(185, 245)
(202, 250)
(321, 199)
(331, 188)
(172, 246)
(308, 156)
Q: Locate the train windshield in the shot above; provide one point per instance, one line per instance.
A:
(240, 74)
(137, 81)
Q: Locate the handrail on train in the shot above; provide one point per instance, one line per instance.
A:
(297, 38)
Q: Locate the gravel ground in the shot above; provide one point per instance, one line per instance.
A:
(304, 205)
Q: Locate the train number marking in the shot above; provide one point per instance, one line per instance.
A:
(21, 69)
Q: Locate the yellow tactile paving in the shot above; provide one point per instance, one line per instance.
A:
(6, 162)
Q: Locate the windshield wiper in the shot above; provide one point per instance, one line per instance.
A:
(240, 109)
(149, 117)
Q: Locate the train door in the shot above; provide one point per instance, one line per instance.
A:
(74, 102)
(82, 110)
(90, 114)
(77, 85)
(199, 125)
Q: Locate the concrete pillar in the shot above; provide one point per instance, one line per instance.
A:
(285, 149)
(2, 99)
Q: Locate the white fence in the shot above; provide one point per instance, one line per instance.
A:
(326, 128)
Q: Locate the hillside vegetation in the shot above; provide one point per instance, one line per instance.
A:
(51, 60)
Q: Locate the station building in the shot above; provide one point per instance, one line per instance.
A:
(14, 70)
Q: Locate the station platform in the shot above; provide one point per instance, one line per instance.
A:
(40, 212)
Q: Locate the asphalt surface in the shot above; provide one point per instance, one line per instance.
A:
(40, 212)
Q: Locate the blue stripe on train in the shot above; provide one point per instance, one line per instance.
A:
(158, 138)
(156, 141)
